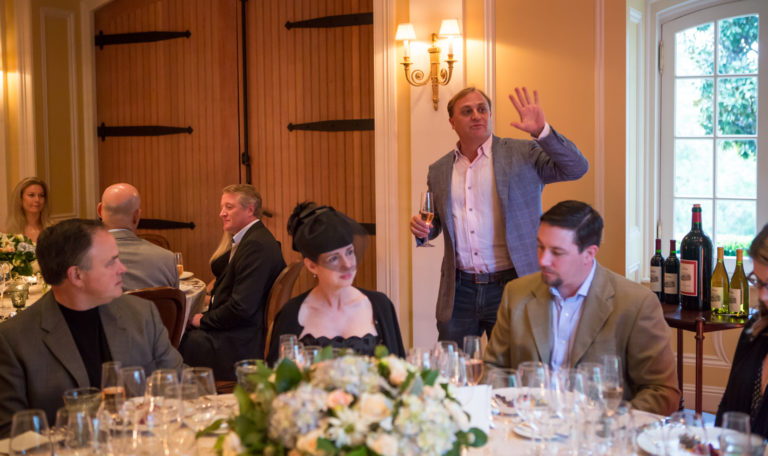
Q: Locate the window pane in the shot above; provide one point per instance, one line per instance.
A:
(735, 225)
(737, 169)
(737, 106)
(737, 45)
(693, 107)
(694, 51)
(693, 168)
(683, 217)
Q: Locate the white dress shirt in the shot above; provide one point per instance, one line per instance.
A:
(481, 244)
(566, 314)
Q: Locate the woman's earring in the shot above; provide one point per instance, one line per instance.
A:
(314, 275)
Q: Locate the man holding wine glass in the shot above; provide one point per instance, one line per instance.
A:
(487, 203)
(61, 341)
(575, 312)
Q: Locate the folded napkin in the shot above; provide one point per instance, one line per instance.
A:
(476, 401)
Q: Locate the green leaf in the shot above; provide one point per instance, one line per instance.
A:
(244, 401)
(210, 428)
(429, 376)
(327, 446)
(326, 353)
(478, 439)
(287, 376)
(380, 351)
(359, 451)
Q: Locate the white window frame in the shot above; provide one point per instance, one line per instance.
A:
(697, 12)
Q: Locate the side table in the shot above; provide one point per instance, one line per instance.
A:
(698, 322)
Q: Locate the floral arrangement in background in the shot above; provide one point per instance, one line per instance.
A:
(352, 405)
(19, 251)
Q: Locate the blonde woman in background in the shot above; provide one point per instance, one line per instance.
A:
(29, 212)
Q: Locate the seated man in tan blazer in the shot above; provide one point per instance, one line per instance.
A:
(573, 311)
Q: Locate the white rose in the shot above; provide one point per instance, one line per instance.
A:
(458, 414)
(374, 407)
(383, 444)
(308, 443)
(232, 445)
(397, 370)
(434, 392)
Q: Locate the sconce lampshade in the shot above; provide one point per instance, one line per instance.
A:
(405, 32)
(449, 28)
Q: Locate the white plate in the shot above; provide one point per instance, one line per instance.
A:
(186, 275)
(526, 431)
(651, 440)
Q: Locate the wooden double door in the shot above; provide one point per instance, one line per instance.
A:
(238, 93)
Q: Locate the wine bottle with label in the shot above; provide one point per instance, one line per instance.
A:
(657, 277)
(695, 265)
(738, 298)
(672, 276)
(719, 292)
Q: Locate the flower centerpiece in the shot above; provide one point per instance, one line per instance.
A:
(352, 405)
(19, 251)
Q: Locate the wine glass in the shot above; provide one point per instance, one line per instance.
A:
(134, 381)
(427, 213)
(204, 404)
(112, 387)
(29, 433)
(532, 403)
(179, 263)
(474, 362)
(503, 382)
(593, 405)
(420, 357)
(86, 398)
(612, 383)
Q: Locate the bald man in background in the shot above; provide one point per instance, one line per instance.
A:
(147, 264)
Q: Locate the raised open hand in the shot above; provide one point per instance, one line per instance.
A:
(532, 119)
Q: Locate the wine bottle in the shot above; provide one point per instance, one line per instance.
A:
(657, 264)
(738, 298)
(695, 265)
(720, 287)
(672, 276)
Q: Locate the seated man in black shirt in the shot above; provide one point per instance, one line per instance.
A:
(60, 341)
(749, 371)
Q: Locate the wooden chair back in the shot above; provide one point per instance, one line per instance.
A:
(157, 239)
(279, 295)
(170, 303)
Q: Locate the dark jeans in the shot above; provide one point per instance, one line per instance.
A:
(475, 306)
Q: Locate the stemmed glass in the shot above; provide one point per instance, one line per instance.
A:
(503, 382)
(593, 405)
(533, 401)
(29, 433)
(451, 362)
(612, 385)
(473, 359)
(427, 213)
(179, 263)
(685, 430)
(5, 276)
(569, 385)
(204, 401)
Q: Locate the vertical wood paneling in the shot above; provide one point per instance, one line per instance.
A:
(307, 75)
(178, 82)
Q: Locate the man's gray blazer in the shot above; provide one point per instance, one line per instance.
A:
(147, 265)
(39, 359)
(521, 169)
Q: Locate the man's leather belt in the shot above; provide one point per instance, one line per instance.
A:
(488, 277)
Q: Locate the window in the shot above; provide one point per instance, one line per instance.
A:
(713, 142)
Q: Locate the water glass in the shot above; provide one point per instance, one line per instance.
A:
(29, 433)
(80, 434)
(85, 398)
(18, 291)
(204, 401)
(735, 438)
(312, 354)
(245, 371)
(503, 381)
(292, 350)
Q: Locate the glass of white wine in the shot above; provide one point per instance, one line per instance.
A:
(427, 212)
(613, 390)
(474, 359)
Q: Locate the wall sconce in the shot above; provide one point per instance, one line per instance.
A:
(438, 76)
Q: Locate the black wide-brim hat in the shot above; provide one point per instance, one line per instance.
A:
(322, 229)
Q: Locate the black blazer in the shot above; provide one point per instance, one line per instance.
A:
(384, 319)
(236, 316)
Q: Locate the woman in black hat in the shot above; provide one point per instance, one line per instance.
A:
(334, 312)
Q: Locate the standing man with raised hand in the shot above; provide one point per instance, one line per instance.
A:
(487, 205)
(233, 327)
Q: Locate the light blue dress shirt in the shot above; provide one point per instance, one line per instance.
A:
(565, 318)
